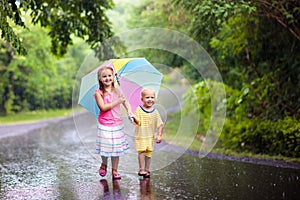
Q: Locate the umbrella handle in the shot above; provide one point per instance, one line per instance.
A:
(117, 78)
(130, 118)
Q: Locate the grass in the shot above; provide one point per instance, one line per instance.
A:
(175, 137)
(33, 116)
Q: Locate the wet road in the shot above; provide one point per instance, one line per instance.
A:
(54, 162)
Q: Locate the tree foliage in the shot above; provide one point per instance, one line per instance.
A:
(242, 133)
(256, 46)
(82, 18)
(159, 14)
(37, 81)
(212, 14)
(284, 12)
(251, 43)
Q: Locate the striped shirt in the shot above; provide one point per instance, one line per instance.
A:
(149, 122)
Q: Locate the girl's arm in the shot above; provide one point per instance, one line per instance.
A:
(127, 106)
(105, 107)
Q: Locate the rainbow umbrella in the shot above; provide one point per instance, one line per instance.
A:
(132, 75)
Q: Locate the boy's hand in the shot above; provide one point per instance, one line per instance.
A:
(135, 120)
(158, 138)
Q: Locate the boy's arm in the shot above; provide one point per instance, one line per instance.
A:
(135, 121)
(135, 118)
(159, 134)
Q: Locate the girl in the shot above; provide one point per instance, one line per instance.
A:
(111, 141)
(147, 121)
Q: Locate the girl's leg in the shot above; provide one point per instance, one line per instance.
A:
(114, 167)
(103, 167)
(104, 162)
(114, 164)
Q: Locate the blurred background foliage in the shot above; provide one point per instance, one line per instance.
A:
(255, 45)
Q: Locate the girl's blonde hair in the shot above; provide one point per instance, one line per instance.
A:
(101, 86)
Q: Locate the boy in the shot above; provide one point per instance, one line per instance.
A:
(147, 121)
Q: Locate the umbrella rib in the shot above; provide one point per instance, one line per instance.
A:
(123, 68)
(156, 74)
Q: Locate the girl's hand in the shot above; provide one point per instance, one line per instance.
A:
(118, 101)
(158, 138)
(130, 116)
(121, 99)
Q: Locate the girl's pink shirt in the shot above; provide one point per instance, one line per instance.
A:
(112, 117)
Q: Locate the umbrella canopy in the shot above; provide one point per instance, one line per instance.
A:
(132, 74)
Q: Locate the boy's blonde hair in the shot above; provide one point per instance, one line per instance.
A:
(145, 90)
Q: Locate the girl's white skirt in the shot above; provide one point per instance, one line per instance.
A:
(111, 141)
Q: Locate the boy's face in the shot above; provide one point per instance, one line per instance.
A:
(148, 98)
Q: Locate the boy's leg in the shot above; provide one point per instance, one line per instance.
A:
(141, 158)
(148, 162)
(148, 156)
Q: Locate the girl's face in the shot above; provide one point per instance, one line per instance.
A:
(148, 98)
(107, 77)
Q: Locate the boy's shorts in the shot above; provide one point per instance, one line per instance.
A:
(147, 153)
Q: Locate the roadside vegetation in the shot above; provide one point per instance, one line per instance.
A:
(171, 130)
(33, 116)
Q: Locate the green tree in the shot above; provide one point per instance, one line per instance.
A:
(82, 18)
(284, 12)
(38, 80)
(251, 43)
(211, 14)
(256, 46)
(159, 14)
